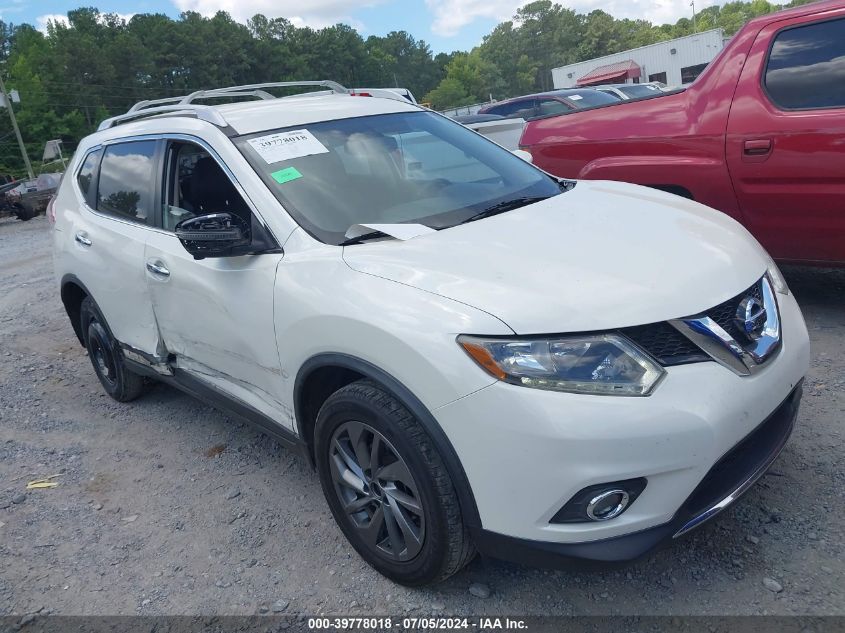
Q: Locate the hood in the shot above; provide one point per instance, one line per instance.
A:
(601, 256)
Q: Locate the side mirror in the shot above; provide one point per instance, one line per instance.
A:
(214, 235)
(526, 156)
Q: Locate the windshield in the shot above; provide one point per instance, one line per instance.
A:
(410, 167)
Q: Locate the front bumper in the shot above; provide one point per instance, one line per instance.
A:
(727, 481)
(527, 452)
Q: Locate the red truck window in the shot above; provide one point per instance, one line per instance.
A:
(806, 68)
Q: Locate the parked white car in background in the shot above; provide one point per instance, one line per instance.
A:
(505, 132)
(633, 91)
(475, 355)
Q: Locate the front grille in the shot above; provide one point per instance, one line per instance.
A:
(670, 347)
(665, 344)
(725, 313)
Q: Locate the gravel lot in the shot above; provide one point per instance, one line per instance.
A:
(165, 506)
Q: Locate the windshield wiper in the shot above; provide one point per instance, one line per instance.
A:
(363, 238)
(502, 207)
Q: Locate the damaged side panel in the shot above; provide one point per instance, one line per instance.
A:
(215, 320)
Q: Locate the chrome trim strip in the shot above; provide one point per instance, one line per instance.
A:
(716, 343)
(770, 336)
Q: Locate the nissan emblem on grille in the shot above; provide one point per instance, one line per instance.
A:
(751, 317)
(756, 321)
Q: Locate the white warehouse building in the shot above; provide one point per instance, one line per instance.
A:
(674, 63)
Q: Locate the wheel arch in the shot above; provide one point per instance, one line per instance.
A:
(323, 374)
(73, 293)
(678, 190)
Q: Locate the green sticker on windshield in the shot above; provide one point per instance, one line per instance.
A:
(286, 175)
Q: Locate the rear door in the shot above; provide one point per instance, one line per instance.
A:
(115, 189)
(786, 138)
(215, 314)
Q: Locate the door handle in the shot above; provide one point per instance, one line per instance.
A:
(157, 268)
(83, 239)
(758, 147)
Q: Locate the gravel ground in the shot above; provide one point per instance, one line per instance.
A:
(165, 506)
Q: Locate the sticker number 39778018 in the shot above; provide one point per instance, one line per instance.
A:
(275, 148)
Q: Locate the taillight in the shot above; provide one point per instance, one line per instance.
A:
(360, 94)
(51, 210)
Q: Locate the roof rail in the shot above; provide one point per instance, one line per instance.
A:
(184, 104)
(258, 89)
(153, 102)
(204, 113)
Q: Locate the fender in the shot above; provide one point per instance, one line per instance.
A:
(707, 179)
(469, 509)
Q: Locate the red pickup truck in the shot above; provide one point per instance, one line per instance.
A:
(760, 135)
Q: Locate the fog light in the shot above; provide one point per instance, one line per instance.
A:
(607, 505)
(600, 502)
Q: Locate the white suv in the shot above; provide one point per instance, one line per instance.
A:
(474, 355)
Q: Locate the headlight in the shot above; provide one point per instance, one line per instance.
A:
(776, 278)
(601, 364)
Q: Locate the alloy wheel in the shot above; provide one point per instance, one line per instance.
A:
(377, 491)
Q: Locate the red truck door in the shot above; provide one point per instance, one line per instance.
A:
(786, 138)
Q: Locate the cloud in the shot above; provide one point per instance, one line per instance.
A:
(313, 13)
(655, 11)
(42, 21)
(450, 16)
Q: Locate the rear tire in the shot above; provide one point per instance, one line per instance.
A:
(107, 358)
(388, 487)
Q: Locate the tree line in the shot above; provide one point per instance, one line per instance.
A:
(98, 64)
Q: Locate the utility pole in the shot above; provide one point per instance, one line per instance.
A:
(17, 129)
(692, 4)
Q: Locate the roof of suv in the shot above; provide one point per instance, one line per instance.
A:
(254, 116)
(248, 117)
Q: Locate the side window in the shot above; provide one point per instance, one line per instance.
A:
(87, 176)
(552, 106)
(806, 67)
(502, 110)
(511, 109)
(127, 181)
(527, 109)
(195, 184)
(691, 73)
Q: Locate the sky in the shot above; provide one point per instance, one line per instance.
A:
(446, 25)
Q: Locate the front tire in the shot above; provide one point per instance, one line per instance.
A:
(107, 358)
(388, 487)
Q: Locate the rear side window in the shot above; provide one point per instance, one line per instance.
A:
(127, 181)
(806, 68)
(87, 177)
(514, 109)
(590, 98)
(552, 106)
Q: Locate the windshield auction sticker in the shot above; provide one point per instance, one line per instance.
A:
(274, 148)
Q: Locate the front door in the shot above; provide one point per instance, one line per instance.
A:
(786, 139)
(216, 314)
